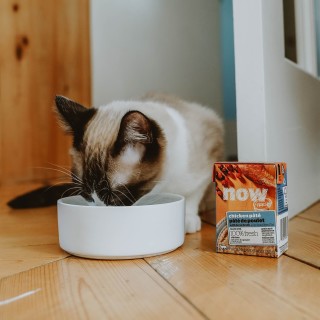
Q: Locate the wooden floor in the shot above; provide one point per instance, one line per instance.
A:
(38, 280)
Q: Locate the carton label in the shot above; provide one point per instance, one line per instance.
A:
(282, 199)
(250, 228)
(243, 194)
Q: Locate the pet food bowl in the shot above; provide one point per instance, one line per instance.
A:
(150, 227)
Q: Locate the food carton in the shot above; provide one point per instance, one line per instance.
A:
(251, 208)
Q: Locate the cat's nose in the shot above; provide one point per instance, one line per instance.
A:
(87, 197)
(97, 200)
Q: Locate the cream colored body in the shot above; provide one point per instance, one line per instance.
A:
(194, 141)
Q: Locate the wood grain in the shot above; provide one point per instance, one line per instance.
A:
(92, 289)
(312, 213)
(44, 52)
(304, 240)
(231, 285)
(28, 238)
(40, 281)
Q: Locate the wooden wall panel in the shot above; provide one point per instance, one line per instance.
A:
(44, 51)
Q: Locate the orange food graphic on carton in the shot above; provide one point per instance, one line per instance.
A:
(251, 208)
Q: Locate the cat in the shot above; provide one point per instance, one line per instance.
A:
(126, 149)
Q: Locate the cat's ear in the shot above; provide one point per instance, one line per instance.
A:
(139, 139)
(136, 131)
(73, 115)
(136, 128)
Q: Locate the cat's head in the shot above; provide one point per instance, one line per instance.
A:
(117, 155)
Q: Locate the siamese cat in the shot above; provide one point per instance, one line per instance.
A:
(126, 149)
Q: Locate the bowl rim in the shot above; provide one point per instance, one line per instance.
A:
(179, 198)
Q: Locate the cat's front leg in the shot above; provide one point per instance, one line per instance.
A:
(193, 221)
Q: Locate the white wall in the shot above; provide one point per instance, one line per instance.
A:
(278, 113)
(170, 46)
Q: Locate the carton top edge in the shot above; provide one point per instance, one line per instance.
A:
(248, 162)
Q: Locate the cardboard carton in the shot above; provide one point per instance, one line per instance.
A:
(251, 208)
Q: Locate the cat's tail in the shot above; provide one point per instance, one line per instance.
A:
(42, 197)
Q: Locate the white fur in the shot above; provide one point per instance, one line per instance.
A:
(194, 137)
(120, 178)
(132, 155)
(177, 153)
(128, 159)
(96, 200)
(178, 176)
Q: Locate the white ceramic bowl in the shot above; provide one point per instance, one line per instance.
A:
(137, 231)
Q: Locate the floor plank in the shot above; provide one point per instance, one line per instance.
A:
(312, 213)
(28, 238)
(17, 259)
(229, 285)
(92, 289)
(39, 280)
(304, 240)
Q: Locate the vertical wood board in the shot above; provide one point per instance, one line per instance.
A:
(44, 52)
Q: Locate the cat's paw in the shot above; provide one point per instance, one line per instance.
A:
(193, 223)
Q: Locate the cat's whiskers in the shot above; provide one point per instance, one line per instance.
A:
(107, 189)
(109, 194)
(61, 171)
(104, 198)
(75, 193)
(118, 198)
(77, 189)
(59, 166)
(132, 201)
(68, 172)
(127, 189)
(56, 184)
(112, 198)
(53, 169)
(64, 168)
(64, 181)
(76, 179)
